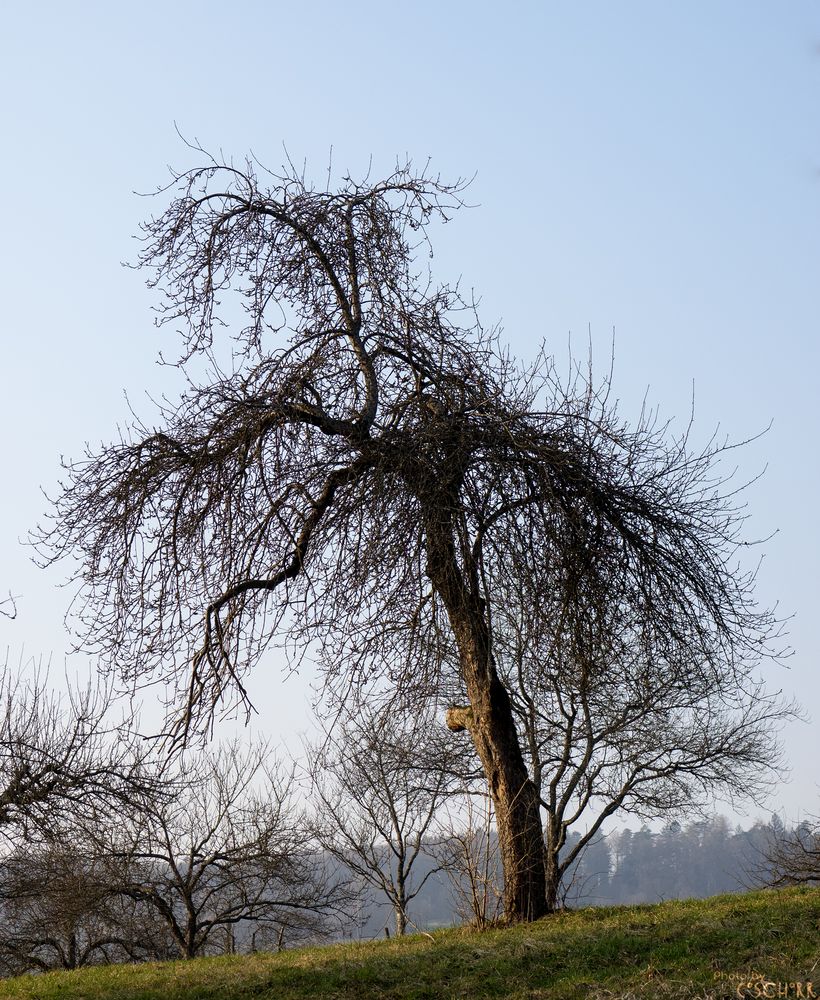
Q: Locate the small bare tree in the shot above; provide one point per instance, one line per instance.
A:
(59, 912)
(790, 856)
(468, 853)
(379, 783)
(615, 718)
(228, 852)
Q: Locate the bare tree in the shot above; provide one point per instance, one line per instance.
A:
(59, 912)
(379, 782)
(61, 756)
(228, 852)
(612, 720)
(364, 470)
(789, 856)
(468, 853)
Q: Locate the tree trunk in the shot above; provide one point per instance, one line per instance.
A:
(553, 882)
(189, 943)
(555, 837)
(515, 797)
(516, 803)
(401, 897)
(71, 962)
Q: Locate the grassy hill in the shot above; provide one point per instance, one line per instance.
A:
(755, 945)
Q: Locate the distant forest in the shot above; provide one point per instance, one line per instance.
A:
(692, 860)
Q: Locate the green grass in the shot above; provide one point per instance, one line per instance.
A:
(728, 946)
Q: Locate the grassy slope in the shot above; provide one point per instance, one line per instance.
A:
(682, 949)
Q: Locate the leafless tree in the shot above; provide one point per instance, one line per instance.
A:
(8, 607)
(61, 756)
(611, 720)
(59, 912)
(379, 781)
(468, 853)
(365, 469)
(789, 856)
(228, 851)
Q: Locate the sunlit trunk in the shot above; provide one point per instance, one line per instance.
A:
(492, 727)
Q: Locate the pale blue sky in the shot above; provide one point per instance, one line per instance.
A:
(652, 167)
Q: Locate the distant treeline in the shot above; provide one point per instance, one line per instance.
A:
(691, 860)
(701, 858)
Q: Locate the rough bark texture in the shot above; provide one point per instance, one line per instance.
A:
(514, 796)
(493, 731)
(554, 871)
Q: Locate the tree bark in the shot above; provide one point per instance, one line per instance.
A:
(401, 898)
(517, 808)
(71, 962)
(553, 882)
(493, 730)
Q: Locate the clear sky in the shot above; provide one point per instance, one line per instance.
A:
(648, 167)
